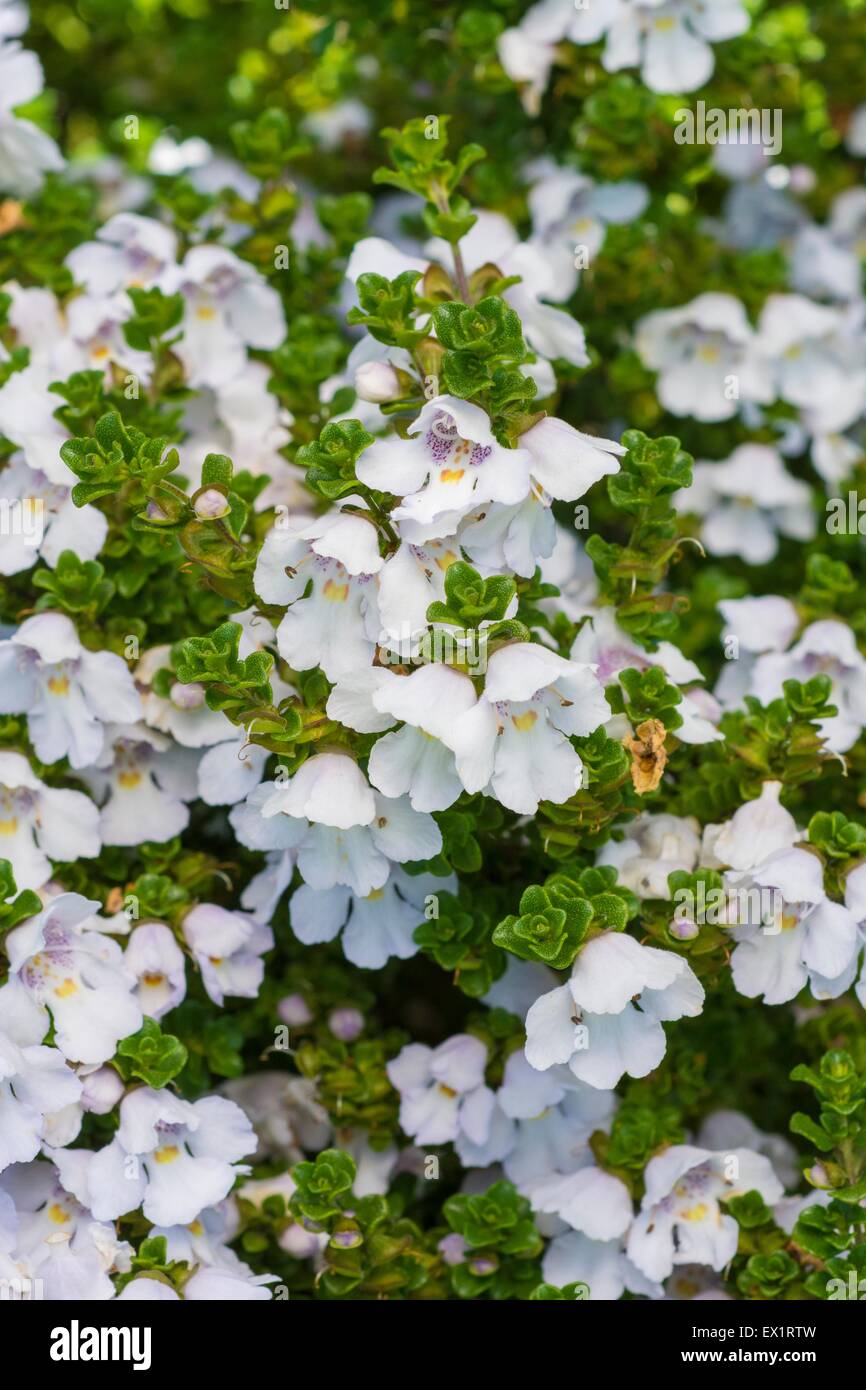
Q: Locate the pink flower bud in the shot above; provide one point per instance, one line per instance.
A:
(210, 505)
(346, 1024)
(294, 1011)
(187, 697)
(681, 929)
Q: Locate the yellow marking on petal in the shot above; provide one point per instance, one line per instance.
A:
(334, 592)
(58, 1214)
(697, 1213)
(788, 921)
(8, 827)
(167, 1154)
(708, 354)
(152, 978)
(59, 685)
(794, 351)
(99, 354)
(68, 987)
(128, 780)
(215, 960)
(446, 1090)
(205, 312)
(447, 560)
(452, 475)
(582, 224)
(376, 894)
(524, 722)
(665, 24)
(195, 1228)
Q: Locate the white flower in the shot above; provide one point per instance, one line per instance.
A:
(14, 18)
(40, 823)
(228, 771)
(706, 357)
(652, 847)
(680, 1221)
(169, 1156)
(763, 624)
(285, 1111)
(729, 1129)
(376, 927)
(155, 960)
(130, 251)
(856, 136)
(229, 307)
(514, 743)
(746, 502)
(441, 1088)
(555, 1114)
(382, 830)
(602, 1265)
(570, 210)
(514, 538)
(34, 1082)
(565, 461)
(671, 40)
(67, 692)
(409, 581)
(228, 947)
(451, 464)
(791, 934)
(756, 830)
(825, 260)
(589, 1200)
(57, 1241)
(143, 781)
(66, 969)
(26, 152)
(592, 1023)
(817, 358)
(336, 625)
(95, 328)
(58, 524)
(328, 788)
(416, 760)
(27, 409)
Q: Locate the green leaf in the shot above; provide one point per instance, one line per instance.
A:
(153, 1056)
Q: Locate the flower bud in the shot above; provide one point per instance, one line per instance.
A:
(294, 1011)
(187, 697)
(348, 1237)
(102, 1090)
(452, 1248)
(210, 505)
(346, 1024)
(377, 382)
(681, 929)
